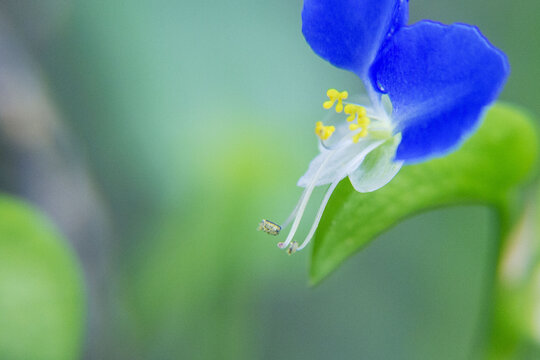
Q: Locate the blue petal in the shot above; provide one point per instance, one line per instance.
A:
(348, 33)
(439, 79)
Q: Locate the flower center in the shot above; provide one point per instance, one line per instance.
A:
(355, 112)
(362, 121)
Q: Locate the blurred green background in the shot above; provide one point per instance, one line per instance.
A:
(157, 134)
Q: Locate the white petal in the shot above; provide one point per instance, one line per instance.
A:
(331, 165)
(377, 169)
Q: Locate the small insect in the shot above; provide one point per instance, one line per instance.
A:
(269, 227)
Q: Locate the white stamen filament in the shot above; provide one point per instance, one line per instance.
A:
(303, 203)
(300, 201)
(358, 158)
(319, 214)
(298, 211)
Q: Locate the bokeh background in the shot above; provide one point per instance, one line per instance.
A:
(157, 134)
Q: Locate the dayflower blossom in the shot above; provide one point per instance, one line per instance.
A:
(427, 86)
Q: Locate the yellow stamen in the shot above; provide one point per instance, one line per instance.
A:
(323, 132)
(334, 96)
(357, 137)
(354, 111)
(363, 123)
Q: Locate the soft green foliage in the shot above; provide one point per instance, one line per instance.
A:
(515, 327)
(485, 170)
(41, 302)
(194, 280)
(195, 120)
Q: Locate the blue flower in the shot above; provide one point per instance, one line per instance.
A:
(427, 86)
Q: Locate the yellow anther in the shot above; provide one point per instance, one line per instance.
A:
(334, 96)
(363, 123)
(354, 111)
(357, 137)
(323, 132)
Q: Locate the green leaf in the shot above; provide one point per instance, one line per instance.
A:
(485, 170)
(41, 292)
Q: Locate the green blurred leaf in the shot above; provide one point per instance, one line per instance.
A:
(41, 301)
(516, 300)
(485, 170)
